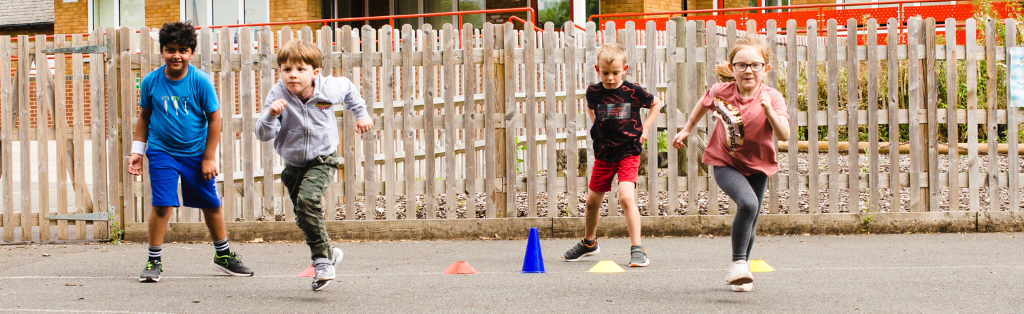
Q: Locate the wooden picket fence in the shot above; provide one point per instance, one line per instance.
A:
(488, 123)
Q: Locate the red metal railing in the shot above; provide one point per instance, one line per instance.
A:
(900, 10)
(517, 19)
(532, 14)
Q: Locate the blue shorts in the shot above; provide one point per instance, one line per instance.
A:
(164, 173)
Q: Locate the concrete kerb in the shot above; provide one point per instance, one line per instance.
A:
(572, 227)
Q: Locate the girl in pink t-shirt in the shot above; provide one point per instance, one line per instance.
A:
(741, 147)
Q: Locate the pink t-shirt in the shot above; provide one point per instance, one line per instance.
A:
(757, 154)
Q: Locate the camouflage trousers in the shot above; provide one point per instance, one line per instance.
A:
(306, 188)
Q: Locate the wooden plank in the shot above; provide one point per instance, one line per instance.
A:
(127, 111)
(266, 74)
(112, 160)
(284, 35)
(449, 39)
(530, 107)
(813, 203)
(652, 134)
(952, 125)
(914, 94)
(61, 127)
(852, 129)
(571, 119)
(146, 66)
(387, 94)
(971, 68)
(832, 70)
(490, 77)
(246, 101)
(932, 103)
(508, 107)
(1012, 125)
(44, 101)
(430, 130)
(226, 91)
(83, 200)
(730, 39)
(692, 96)
(792, 90)
(469, 113)
(408, 132)
(709, 80)
(23, 112)
(872, 107)
(773, 81)
(894, 128)
(991, 106)
(369, 86)
(6, 134)
(550, 71)
(673, 29)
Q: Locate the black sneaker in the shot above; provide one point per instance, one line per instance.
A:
(231, 264)
(638, 256)
(152, 272)
(581, 250)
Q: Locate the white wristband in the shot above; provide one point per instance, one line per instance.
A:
(139, 148)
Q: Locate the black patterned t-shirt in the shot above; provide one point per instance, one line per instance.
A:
(617, 125)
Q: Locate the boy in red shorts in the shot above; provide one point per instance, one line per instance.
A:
(618, 133)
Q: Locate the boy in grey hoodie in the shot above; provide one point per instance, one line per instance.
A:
(299, 115)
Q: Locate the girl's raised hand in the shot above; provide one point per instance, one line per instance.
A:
(766, 104)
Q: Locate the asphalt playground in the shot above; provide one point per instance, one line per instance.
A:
(909, 273)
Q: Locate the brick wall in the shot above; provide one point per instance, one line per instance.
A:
(159, 12)
(70, 18)
(295, 10)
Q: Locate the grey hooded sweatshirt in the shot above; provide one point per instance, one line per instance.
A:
(305, 131)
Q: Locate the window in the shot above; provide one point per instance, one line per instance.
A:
(117, 13)
(225, 12)
(554, 11)
(364, 8)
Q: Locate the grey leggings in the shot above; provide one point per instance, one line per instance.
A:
(747, 192)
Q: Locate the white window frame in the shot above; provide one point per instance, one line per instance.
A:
(209, 12)
(92, 14)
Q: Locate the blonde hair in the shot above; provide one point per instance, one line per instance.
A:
(296, 51)
(722, 69)
(611, 52)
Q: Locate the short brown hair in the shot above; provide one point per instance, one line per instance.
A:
(611, 52)
(296, 51)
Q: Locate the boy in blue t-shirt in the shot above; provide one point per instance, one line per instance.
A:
(180, 120)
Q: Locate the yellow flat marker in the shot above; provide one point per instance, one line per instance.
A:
(606, 267)
(759, 266)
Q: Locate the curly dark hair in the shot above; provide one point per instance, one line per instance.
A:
(181, 33)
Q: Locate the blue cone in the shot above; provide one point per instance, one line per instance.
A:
(534, 260)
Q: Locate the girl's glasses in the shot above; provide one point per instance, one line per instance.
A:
(756, 66)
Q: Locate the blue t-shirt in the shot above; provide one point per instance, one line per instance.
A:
(178, 123)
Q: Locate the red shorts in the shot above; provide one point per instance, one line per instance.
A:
(603, 172)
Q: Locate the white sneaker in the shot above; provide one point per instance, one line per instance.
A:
(739, 273)
(743, 288)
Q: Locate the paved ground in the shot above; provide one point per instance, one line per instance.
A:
(929, 273)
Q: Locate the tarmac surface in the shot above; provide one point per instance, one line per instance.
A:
(909, 273)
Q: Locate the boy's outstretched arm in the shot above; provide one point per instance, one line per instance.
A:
(652, 116)
(141, 136)
(212, 140)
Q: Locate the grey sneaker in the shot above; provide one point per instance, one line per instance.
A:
(231, 264)
(152, 272)
(581, 250)
(638, 256)
(325, 271)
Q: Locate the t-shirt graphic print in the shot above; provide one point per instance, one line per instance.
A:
(618, 125)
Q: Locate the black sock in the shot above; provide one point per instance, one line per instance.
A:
(589, 242)
(222, 247)
(155, 252)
